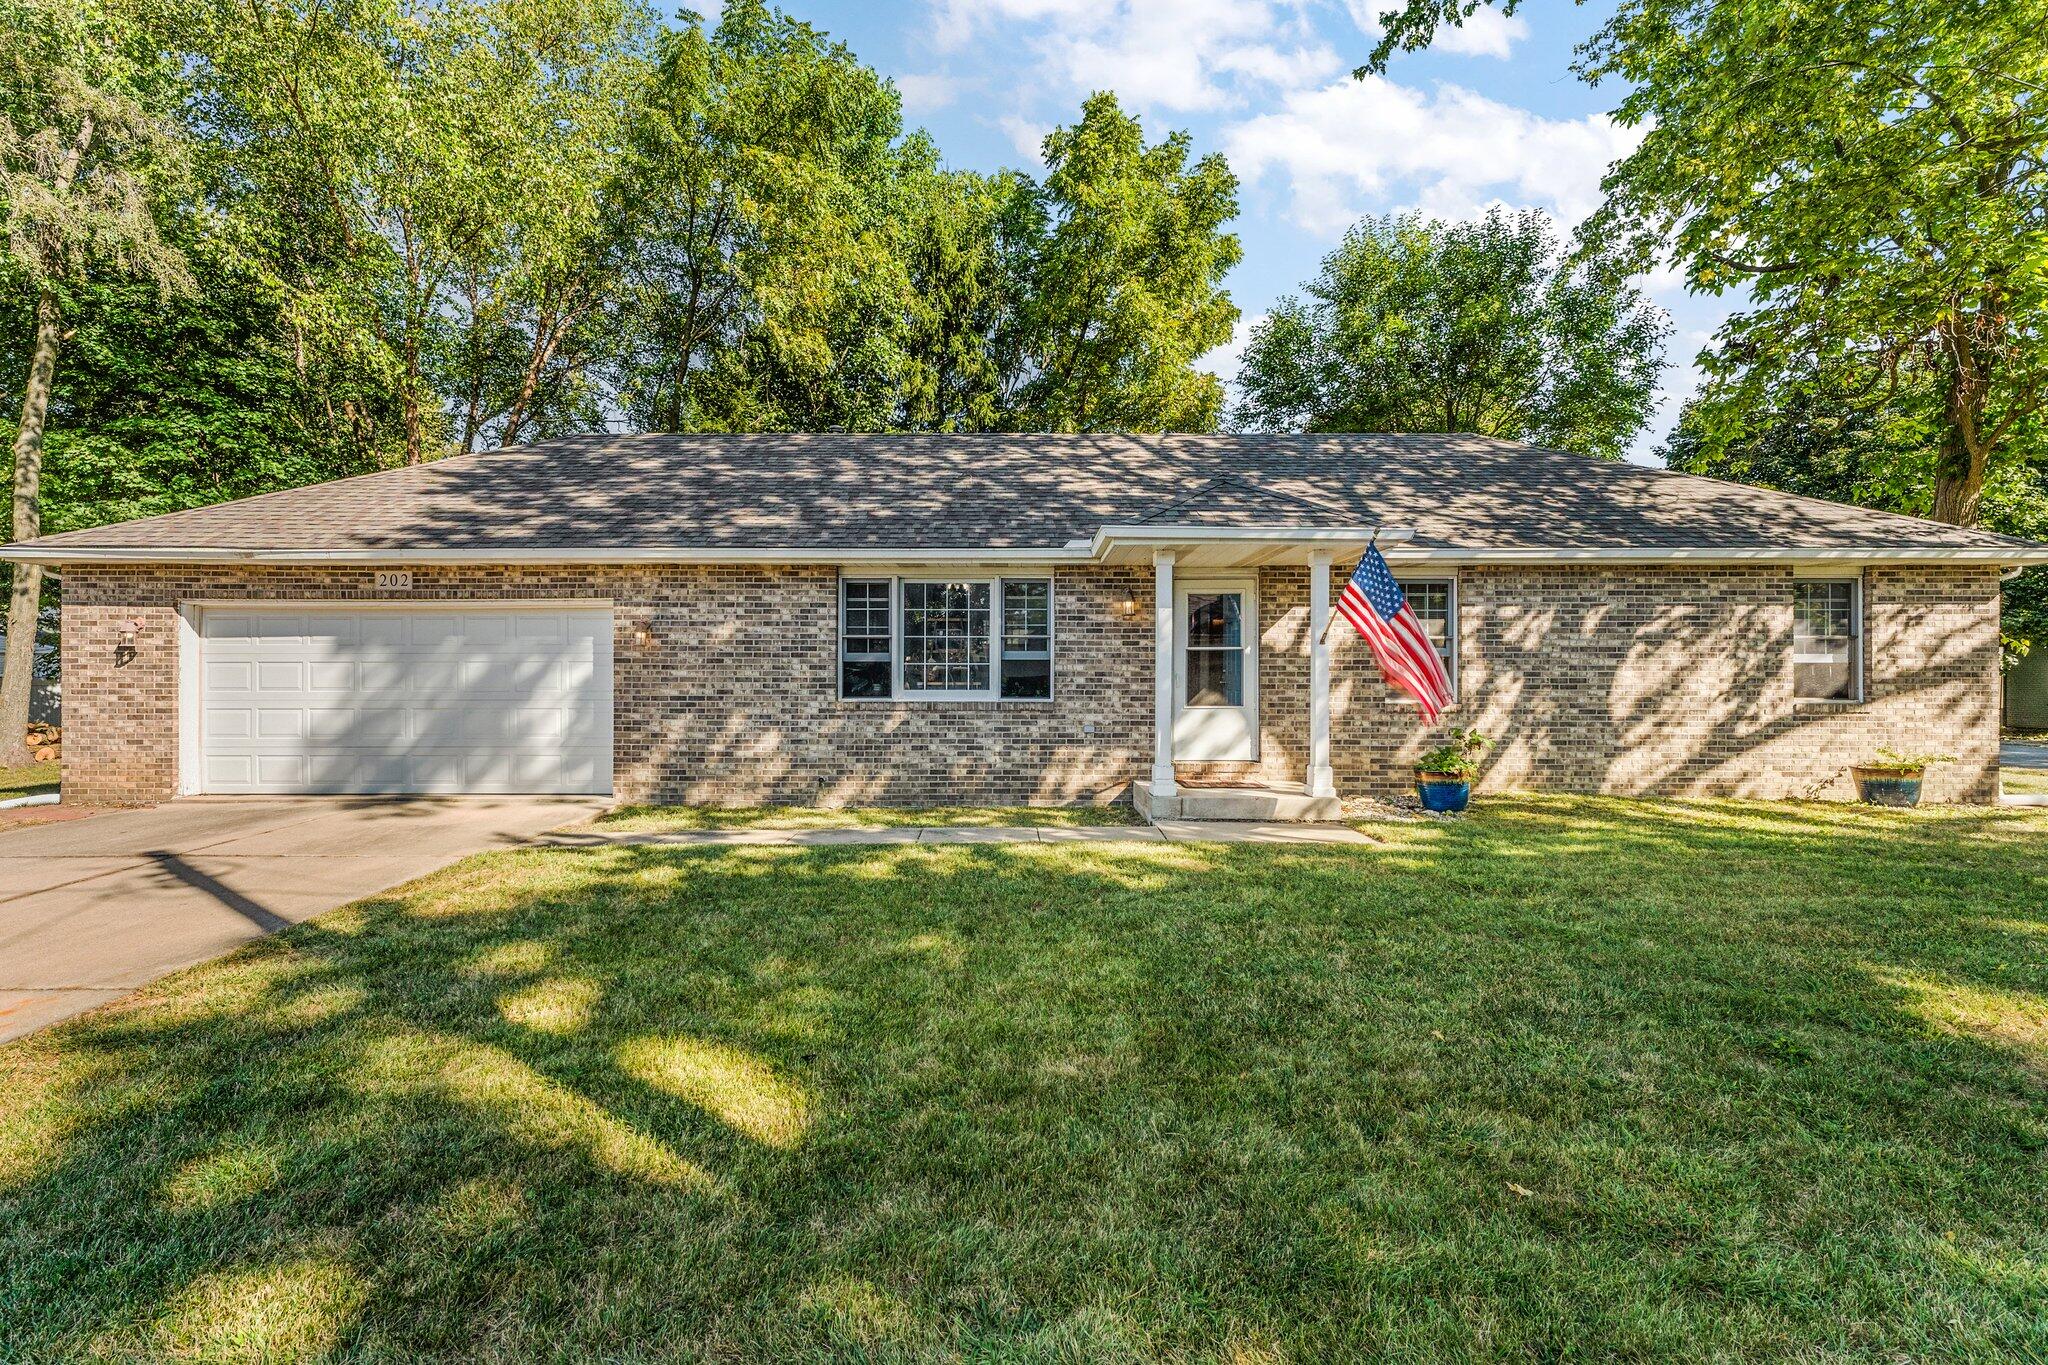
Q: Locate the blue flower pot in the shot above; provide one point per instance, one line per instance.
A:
(1445, 794)
(1888, 786)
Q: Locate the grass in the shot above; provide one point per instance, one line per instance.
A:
(672, 819)
(2024, 781)
(1565, 1079)
(36, 777)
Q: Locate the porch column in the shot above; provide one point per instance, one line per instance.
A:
(1321, 780)
(1162, 675)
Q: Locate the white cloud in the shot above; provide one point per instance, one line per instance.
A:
(1351, 144)
(929, 91)
(1172, 55)
(1486, 32)
(1027, 137)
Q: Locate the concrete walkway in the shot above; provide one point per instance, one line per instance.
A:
(2023, 753)
(92, 909)
(1173, 831)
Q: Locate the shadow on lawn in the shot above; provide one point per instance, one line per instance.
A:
(1570, 1078)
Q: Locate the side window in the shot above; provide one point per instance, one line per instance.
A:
(865, 638)
(1827, 639)
(1027, 637)
(1435, 601)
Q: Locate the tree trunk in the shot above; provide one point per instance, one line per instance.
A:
(1959, 469)
(24, 603)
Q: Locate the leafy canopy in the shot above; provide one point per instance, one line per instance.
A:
(1872, 177)
(1414, 325)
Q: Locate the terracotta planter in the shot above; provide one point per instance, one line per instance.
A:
(1888, 786)
(1443, 792)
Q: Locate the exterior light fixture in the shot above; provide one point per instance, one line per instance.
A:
(125, 640)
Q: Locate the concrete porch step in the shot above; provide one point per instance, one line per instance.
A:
(1284, 801)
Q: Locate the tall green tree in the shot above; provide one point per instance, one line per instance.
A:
(1872, 177)
(764, 294)
(1126, 288)
(1414, 324)
(88, 163)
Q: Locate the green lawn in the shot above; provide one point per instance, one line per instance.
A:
(667, 819)
(36, 777)
(1566, 1079)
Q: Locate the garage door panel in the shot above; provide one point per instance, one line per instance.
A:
(334, 700)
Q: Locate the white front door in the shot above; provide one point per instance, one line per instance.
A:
(467, 698)
(1216, 670)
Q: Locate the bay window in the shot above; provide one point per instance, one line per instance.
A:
(945, 639)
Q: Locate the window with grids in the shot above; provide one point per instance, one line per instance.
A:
(1435, 601)
(1827, 644)
(946, 639)
(866, 660)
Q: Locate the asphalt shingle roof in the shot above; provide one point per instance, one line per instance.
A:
(829, 491)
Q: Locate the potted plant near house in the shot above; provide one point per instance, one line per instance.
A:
(1443, 776)
(1894, 779)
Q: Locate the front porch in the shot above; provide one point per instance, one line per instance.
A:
(1209, 728)
(1249, 800)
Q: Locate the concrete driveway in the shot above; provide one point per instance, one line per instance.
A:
(92, 909)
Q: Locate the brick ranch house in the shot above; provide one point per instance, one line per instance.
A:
(841, 619)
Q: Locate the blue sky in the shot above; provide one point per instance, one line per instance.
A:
(1492, 114)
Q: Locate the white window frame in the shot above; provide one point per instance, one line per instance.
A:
(995, 582)
(1450, 583)
(1856, 646)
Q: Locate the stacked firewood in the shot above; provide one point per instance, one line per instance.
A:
(45, 742)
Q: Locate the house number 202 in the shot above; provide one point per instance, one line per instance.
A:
(395, 580)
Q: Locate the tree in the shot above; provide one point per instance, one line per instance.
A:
(1874, 174)
(86, 162)
(1418, 325)
(1125, 289)
(763, 293)
(1869, 444)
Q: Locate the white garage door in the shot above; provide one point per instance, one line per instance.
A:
(479, 700)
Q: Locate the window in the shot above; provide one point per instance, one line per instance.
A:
(945, 639)
(1827, 639)
(1215, 653)
(1435, 601)
(1027, 637)
(864, 635)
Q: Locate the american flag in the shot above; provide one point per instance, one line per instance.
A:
(1372, 601)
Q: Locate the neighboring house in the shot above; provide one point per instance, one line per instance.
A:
(979, 619)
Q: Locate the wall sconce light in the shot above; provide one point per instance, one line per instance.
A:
(1127, 607)
(125, 641)
(643, 637)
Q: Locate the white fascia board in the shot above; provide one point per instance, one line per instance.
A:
(1711, 555)
(1154, 533)
(1076, 552)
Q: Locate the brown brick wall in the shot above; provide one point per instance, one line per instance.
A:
(1656, 681)
(1640, 680)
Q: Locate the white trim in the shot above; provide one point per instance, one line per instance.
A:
(191, 774)
(1246, 585)
(1857, 646)
(394, 603)
(1322, 778)
(1452, 628)
(1164, 787)
(1075, 552)
(1072, 552)
(1707, 555)
(899, 695)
